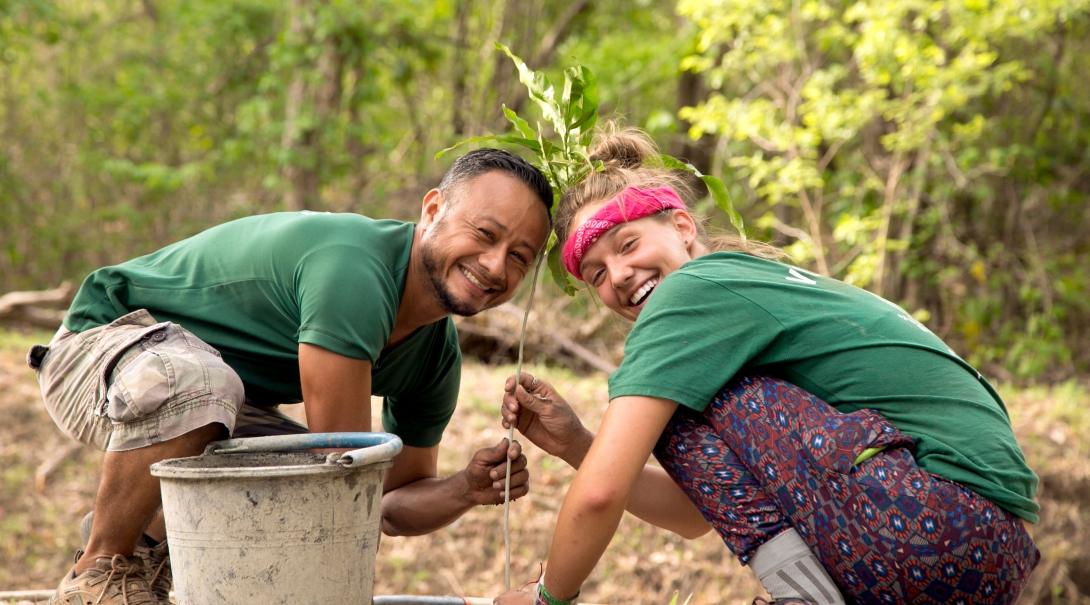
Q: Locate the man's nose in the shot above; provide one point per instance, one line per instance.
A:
(492, 260)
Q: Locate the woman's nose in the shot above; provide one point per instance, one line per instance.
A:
(619, 273)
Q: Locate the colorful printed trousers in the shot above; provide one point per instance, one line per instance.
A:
(766, 455)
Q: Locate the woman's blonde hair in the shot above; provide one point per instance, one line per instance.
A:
(629, 158)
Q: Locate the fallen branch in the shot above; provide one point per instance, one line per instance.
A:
(58, 295)
(566, 343)
(499, 332)
(573, 348)
(41, 308)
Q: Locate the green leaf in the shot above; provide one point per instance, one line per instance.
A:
(521, 125)
(722, 199)
(531, 144)
(715, 187)
(584, 114)
(556, 266)
(540, 90)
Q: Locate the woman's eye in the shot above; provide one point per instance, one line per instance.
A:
(628, 244)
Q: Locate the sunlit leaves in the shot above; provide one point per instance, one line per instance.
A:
(807, 87)
(861, 127)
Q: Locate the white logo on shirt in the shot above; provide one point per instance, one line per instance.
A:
(799, 278)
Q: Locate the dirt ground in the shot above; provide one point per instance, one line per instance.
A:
(46, 486)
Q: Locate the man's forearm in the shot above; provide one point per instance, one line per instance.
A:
(425, 505)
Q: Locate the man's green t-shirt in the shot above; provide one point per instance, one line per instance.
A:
(727, 314)
(256, 287)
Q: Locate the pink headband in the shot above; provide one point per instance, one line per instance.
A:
(631, 204)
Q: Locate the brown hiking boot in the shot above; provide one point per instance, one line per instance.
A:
(155, 559)
(157, 569)
(110, 581)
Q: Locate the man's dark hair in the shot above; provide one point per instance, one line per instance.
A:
(480, 161)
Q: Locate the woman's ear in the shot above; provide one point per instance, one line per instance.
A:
(686, 226)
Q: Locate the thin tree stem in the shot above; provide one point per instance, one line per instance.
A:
(511, 434)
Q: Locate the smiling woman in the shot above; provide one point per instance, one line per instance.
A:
(621, 270)
(836, 445)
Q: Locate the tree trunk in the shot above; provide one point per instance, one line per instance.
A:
(293, 108)
(458, 87)
(691, 91)
(297, 143)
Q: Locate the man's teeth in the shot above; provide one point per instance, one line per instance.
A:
(639, 295)
(475, 281)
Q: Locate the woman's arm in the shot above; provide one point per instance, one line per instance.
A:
(659, 501)
(546, 419)
(596, 500)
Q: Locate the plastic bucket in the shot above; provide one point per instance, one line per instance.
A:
(258, 521)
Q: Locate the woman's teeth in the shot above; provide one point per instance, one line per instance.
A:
(639, 295)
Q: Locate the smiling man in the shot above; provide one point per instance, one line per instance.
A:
(164, 353)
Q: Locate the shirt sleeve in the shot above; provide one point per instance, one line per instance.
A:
(690, 340)
(420, 417)
(347, 301)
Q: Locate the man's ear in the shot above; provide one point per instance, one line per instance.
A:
(431, 208)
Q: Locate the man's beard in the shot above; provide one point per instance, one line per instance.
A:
(439, 288)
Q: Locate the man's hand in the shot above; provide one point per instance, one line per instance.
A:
(487, 469)
(542, 415)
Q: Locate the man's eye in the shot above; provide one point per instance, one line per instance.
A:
(519, 257)
(485, 233)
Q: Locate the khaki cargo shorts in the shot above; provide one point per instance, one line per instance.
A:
(136, 382)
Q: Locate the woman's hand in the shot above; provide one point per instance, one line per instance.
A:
(542, 415)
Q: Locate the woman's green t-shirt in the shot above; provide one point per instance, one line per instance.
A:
(728, 314)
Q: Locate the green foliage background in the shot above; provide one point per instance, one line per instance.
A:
(933, 152)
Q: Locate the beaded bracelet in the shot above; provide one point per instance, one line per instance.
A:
(544, 598)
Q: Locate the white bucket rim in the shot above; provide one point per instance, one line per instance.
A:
(174, 469)
(377, 453)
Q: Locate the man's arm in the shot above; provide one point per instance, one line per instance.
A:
(336, 390)
(337, 398)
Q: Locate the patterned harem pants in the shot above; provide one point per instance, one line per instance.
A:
(766, 455)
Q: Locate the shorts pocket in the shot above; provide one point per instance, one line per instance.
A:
(138, 380)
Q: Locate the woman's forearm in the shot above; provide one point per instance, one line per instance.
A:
(596, 502)
(587, 522)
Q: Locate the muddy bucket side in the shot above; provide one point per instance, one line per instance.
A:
(259, 521)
